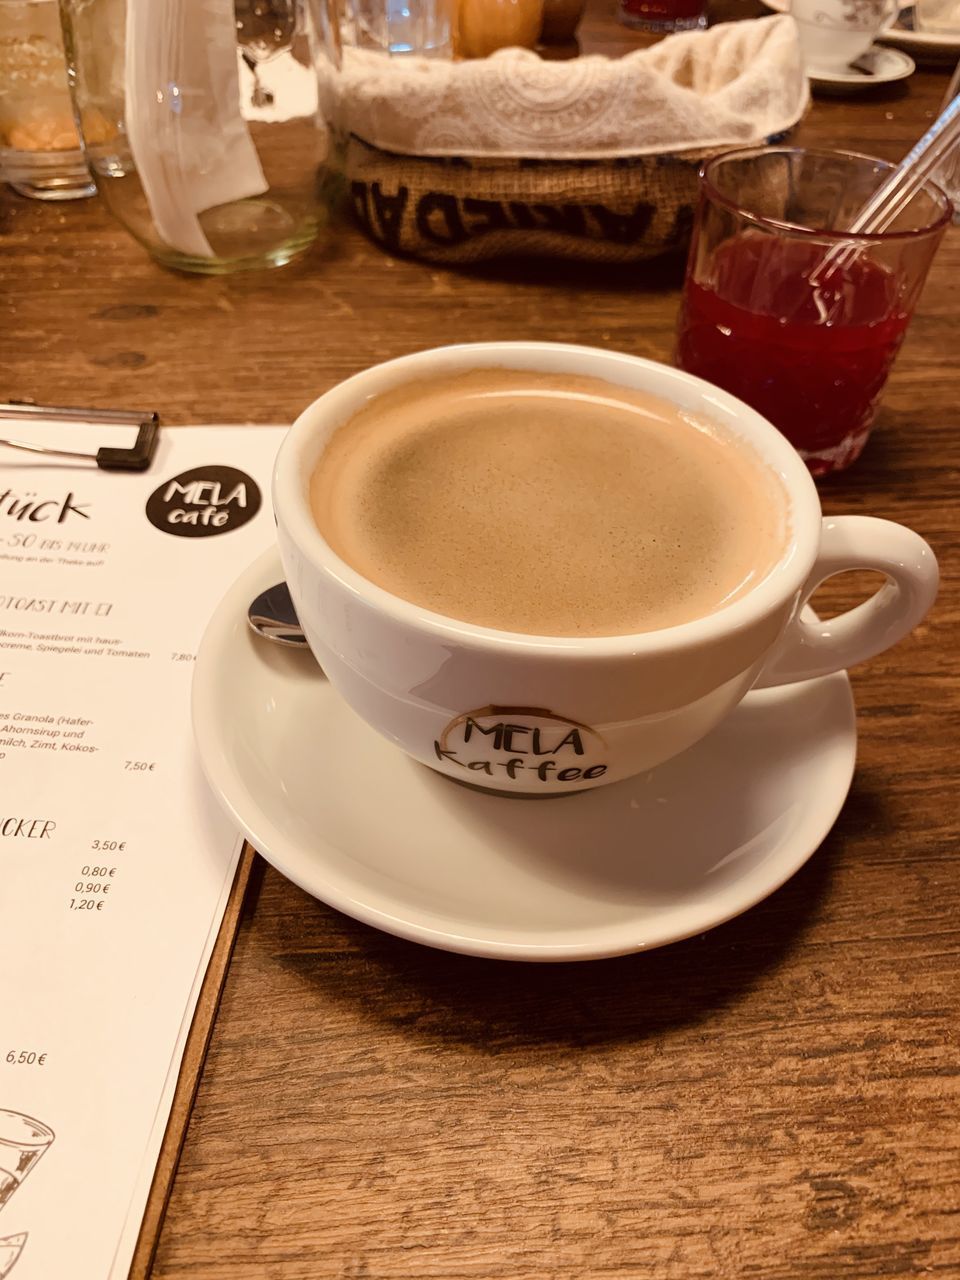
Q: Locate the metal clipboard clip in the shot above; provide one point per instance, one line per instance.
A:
(108, 458)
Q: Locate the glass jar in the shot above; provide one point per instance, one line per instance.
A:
(201, 126)
(40, 152)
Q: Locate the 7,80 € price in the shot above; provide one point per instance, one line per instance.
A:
(25, 1058)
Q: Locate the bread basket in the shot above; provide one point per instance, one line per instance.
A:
(592, 158)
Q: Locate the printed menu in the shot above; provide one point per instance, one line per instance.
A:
(115, 859)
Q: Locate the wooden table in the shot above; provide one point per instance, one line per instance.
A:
(777, 1098)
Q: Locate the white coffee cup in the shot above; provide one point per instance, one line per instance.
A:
(546, 715)
(835, 32)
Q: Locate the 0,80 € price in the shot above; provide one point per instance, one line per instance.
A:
(25, 1058)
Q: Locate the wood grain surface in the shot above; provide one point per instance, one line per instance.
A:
(777, 1098)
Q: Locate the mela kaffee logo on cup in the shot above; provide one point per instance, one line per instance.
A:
(203, 502)
(525, 744)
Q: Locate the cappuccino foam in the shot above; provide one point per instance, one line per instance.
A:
(547, 504)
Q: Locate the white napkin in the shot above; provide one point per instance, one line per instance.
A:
(187, 134)
(737, 83)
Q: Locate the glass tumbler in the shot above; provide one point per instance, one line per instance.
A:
(422, 27)
(201, 125)
(40, 152)
(786, 309)
(664, 16)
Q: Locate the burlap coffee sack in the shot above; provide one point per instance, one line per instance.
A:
(450, 211)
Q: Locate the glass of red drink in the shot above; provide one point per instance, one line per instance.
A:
(664, 15)
(785, 309)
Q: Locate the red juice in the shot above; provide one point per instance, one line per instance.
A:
(813, 362)
(668, 14)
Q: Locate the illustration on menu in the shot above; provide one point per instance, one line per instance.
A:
(23, 1141)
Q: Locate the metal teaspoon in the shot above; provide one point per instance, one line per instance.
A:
(273, 616)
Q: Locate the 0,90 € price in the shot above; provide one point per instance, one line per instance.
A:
(25, 1058)
(91, 892)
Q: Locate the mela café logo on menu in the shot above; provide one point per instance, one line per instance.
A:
(203, 502)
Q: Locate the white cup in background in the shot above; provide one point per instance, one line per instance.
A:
(835, 32)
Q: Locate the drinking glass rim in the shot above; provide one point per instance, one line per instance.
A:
(709, 187)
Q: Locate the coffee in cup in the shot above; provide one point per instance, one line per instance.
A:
(547, 504)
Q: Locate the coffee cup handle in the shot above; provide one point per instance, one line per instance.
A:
(812, 648)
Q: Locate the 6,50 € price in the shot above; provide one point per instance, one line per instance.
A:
(25, 1058)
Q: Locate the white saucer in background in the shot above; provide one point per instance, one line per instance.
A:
(353, 821)
(891, 65)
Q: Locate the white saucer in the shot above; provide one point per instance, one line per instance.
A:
(891, 65)
(929, 46)
(351, 819)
